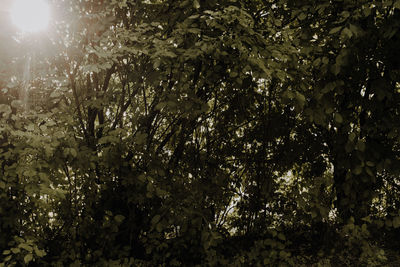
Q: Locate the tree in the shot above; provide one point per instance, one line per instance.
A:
(201, 133)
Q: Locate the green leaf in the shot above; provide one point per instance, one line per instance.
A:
(30, 127)
(73, 152)
(335, 30)
(28, 258)
(184, 3)
(274, 233)
(302, 16)
(108, 212)
(160, 105)
(367, 219)
(345, 14)
(157, 64)
(142, 178)
(16, 250)
(370, 163)
(16, 103)
(281, 237)
(283, 254)
(119, 218)
(5, 109)
(369, 172)
(338, 118)
(335, 69)
(367, 11)
(155, 219)
(26, 247)
(397, 4)
(357, 170)
(301, 99)
(349, 147)
(39, 252)
(364, 228)
(352, 136)
(55, 94)
(195, 16)
(329, 110)
(360, 146)
(140, 138)
(396, 222)
(43, 128)
(347, 32)
(355, 30)
(159, 227)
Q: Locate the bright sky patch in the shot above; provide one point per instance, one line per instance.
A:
(30, 15)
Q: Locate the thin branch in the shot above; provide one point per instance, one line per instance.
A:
(80, 117)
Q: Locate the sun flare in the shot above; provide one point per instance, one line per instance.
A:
(30, 15)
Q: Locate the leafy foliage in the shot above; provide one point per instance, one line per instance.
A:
(196, 133)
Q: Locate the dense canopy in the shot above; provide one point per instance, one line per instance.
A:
(202, 133)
